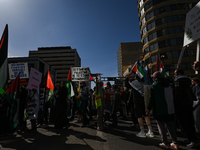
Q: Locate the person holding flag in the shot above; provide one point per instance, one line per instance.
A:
(136, 84)
(61, 119)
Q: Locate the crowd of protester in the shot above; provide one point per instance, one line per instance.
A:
(174, 105)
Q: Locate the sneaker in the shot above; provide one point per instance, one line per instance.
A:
(193, 144)
(165, 146)
(190, 145)
(174, 145)
(149, 134)
(141, 134)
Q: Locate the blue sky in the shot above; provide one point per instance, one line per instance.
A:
(94, 27)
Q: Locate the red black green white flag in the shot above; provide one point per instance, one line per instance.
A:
(3, 58)
(10, 96)
(158, 66)
(139, 71)
(69, 84)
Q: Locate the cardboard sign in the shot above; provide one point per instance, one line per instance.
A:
(35, 79)
(16, 68)
(192, 25)
(80, 73)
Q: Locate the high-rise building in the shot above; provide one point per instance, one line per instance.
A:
(127, 54)
(60, 59)
(162, 24)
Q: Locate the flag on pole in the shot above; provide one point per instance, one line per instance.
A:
(158, 66)
(138, 69)
(3, 57)
(69, 84)
(91, 78)
(10, 96)
(49, 86)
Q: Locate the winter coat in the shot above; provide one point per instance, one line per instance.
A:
(162, 100)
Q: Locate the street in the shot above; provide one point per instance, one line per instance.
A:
(87, 138)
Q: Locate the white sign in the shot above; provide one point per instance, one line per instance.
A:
(192, 25)
(16, 68)
(35, 79)
(80, 73)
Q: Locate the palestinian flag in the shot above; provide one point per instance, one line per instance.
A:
(10, 96)
(69, 84)
(3, 58)
(49, 86)
(159, 67)
(138, 69)
(91, 78)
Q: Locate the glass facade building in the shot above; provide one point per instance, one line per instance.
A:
(162, 24)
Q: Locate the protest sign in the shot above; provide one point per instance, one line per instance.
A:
(35, 79)
(16, 68)
(80, 73)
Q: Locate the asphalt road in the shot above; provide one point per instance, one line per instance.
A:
(87, 138)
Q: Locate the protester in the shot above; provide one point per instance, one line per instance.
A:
(4, 107)
(52, 107)
(163, 109)
(183, 102)
(61, 107)
(139, 106)
(84, 102)
(117, 102)
(196, 103)
(90, 106)
(130, 103)
(100, 104)
(23, 93)
(123, 104)
(32, 108)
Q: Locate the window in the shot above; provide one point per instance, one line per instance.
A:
(143, 20)
(145, 40)
(153, 47)
(171, 30)
(144, 30)
(142, 12)
(152, 36)
(150, 26)
(150, 15)
(141, 2)
(173, 42)
(177, 29)
(147, 6)
(179, 41)
(153, 58)
(169, 55)
(176, 54)
(146, 50)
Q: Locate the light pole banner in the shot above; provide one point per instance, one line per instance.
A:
(80, 73)
(192, 25)
(16, 68)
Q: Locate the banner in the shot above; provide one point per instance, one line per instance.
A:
(80, 73)
(16, 68)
